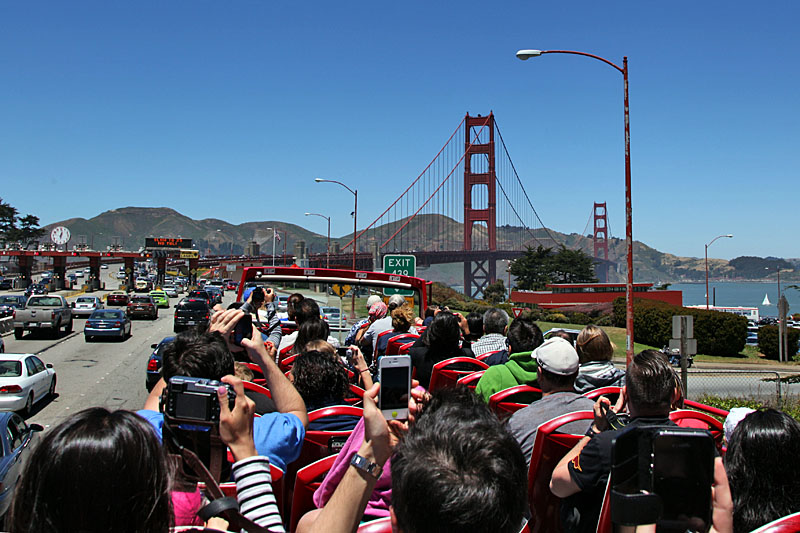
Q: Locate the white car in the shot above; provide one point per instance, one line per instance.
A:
(104, 266)
(85, 305)
(121, 275)
(79, 274)
(171, 290)
(24, 380)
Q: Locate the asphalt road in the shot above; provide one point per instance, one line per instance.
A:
(106, 373)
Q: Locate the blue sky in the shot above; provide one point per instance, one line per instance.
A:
(229, 110)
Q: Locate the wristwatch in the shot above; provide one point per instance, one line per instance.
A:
(366, 466)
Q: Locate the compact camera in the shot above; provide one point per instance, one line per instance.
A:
(194, 400)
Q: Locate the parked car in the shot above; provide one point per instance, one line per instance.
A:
(24, 380)
(107, 323)
(86, 305)
(117, 298)
(17, 441)
(6, 284)
(191, 312)
(9, 303)
(142, 305)
(160, 298)
(153, 372)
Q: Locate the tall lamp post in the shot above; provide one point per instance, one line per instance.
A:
(355, 226)
(328, 255)
(728, 236)
(274, 233)
(527, 54)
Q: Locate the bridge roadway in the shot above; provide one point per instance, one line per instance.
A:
(112, 373)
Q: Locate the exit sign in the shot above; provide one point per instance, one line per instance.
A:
(404, 265)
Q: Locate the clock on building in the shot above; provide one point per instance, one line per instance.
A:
(60, 235)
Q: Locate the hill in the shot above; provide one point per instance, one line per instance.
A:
(129, 226)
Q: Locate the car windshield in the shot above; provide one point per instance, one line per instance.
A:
(141, 299)
(10, 369)
(44, 301)
(330, 310)
(106, 314)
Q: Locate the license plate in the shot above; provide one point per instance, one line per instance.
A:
(32, 324)
(190, 322)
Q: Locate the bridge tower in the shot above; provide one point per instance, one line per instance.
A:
(479, 171)
(601, 241)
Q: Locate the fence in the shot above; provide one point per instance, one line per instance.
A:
(761, 385)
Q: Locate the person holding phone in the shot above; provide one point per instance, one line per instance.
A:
(261, 303)
(581, 475)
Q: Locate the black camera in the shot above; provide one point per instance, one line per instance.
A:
(257, 296)
(194, 400)
(662, 475)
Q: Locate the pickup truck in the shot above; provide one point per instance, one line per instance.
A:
(49, 312)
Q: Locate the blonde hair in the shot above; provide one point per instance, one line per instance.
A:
(594, 345)
(403, 318)
(242, 372)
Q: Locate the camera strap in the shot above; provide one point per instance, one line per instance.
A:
(220, 505)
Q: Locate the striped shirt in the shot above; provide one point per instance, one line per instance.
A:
(254, 492)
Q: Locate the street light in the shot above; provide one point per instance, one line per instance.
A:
(355, 226)
(728, 236)
(328, 255)
(274, 232)
(527, 54)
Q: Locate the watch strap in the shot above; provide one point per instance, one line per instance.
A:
(367, 466)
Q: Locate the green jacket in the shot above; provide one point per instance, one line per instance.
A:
(519, 370)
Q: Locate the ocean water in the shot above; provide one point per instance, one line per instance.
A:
(744, 294)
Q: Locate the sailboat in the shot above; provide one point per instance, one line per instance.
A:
(766, 300)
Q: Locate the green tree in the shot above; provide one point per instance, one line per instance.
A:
(494, 293)
(27, 230)
(539, 266)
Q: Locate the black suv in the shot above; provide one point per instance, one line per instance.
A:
(191, 312)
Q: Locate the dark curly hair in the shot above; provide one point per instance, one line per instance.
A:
(320, 379)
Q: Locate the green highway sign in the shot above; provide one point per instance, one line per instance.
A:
(404, 265)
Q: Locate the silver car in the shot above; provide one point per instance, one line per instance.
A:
(86, 305)
(171, 290)
(332, 315)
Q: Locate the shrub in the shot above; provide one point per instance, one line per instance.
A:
(768, 341)
(717, 333)
(556, 317)
(579, 318)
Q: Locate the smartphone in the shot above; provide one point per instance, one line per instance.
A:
(683, 471)
(394, 373)
(344, 354)
(243, 329)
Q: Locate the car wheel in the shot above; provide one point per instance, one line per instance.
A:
(18, 332)
(29, 405)
(52, 391)
(68, 329)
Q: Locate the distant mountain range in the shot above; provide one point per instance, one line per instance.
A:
(130, 226)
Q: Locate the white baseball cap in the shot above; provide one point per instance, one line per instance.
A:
(373, 299)
(557, 356)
